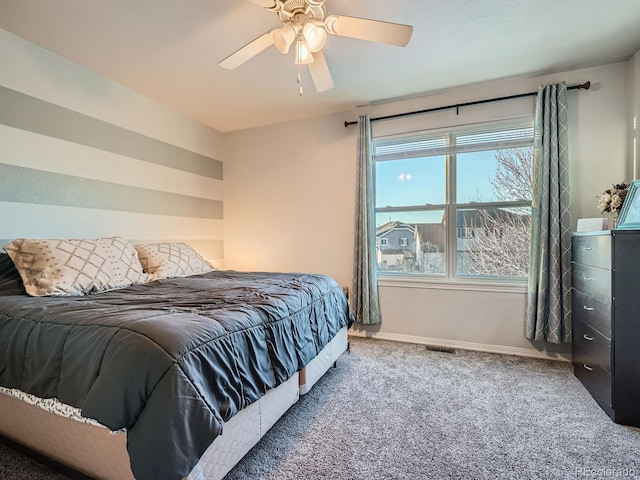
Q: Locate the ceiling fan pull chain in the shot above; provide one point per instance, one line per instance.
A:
(299, 80)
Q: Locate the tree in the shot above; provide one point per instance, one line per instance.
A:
(501, 236)
(500, 246)
(513, 179)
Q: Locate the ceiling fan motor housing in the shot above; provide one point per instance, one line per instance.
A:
(314, 10)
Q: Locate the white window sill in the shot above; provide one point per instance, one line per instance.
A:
(416, 281)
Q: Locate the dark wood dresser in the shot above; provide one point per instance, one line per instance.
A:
(606, 319)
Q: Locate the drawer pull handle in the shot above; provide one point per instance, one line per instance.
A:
(588, 279)
(588, 248)
(587, 337)
(587, 367)
(588, 309)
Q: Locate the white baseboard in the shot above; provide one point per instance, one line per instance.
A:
(479, 347)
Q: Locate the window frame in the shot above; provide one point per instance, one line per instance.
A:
(450, 208)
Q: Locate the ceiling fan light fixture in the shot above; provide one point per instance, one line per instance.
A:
(303, 53)
(305, 22)
(284, 37)
(315, 36)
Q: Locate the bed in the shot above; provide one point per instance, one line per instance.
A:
(178, 377)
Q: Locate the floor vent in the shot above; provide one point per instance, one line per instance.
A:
(437, 348)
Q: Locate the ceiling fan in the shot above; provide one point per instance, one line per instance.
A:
(305, 22)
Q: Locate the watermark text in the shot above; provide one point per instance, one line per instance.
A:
(590, 472)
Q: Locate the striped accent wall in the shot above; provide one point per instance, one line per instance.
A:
(66, 174)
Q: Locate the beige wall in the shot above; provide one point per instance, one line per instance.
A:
(291, 200)
(290, 194)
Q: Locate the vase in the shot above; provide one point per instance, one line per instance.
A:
(614, 221)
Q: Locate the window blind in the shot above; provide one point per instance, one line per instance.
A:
(493, 136)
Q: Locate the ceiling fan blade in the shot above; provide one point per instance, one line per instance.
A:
(247, 52)
(371, 30)
(320, 73)
(264, 3)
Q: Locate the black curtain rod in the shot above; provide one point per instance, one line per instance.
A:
(583, 86)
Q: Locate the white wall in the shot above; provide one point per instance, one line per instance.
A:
(290, 195)
(38, 72)
(82, 156)
(634, 114)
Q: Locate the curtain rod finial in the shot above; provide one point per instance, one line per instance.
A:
(585, 86)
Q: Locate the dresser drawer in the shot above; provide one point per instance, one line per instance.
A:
(589, 310)
(594, 250)
(594, 343)
(594, 378)
(594, 281)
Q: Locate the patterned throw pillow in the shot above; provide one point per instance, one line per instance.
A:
(75, 267)
(167, 260)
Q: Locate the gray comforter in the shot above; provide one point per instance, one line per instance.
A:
(170, 360)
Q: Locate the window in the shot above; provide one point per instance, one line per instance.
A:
(384, 242)
(466, 195)
(465, 232)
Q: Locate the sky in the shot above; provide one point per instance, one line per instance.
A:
(420, 181)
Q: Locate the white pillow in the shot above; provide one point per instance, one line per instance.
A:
(75, 267)
(167, 260)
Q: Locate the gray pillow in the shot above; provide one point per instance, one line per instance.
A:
(10, 280)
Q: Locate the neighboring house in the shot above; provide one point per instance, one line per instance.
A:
(421, 247)
(396, 246)
(430, 247)
(473, 224)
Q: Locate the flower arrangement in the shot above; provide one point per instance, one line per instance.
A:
(612, 199)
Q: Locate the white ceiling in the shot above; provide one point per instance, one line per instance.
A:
(169, 49)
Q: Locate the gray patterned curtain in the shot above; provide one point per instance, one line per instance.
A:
(549, 293)
(364, 299)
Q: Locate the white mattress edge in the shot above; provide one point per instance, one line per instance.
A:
(317, 367)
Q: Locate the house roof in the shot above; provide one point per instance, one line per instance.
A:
(394, 225)
(473, 217)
